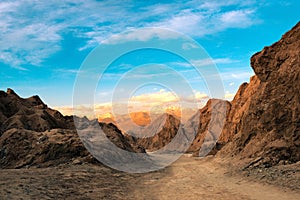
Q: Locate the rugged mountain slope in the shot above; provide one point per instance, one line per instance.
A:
(24, 148)
(140, 118)
(211, 120)
(159, 133)
(106, 118)
(269, 125)
(30, 113)
(34, 135)
(262, 124)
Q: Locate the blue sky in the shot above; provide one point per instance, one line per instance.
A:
(43, 43)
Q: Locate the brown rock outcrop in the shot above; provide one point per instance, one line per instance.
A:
(24, 148)
(159, 133)
(30, 114)
(31, 134)
(269, 123)
(212, 118)
(263, 120)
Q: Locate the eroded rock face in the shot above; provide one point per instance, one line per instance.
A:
(264, 119)
(25, 148)
(212, 118)
(30, 114)
(31, 134)
(119, 139)
(159, 133)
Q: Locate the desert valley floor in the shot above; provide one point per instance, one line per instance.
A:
(187, 178)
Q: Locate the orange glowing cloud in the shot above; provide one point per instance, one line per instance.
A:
(161, 96)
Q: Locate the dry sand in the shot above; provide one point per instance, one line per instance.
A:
(187, 178)
(192, 178)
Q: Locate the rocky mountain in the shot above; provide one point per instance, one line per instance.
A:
(30, 114)
(32, 134)
(140, 118)
(133, 121)
(208, 122)
(106, 118)
(262, 125)
(269, 128)
(159, 133)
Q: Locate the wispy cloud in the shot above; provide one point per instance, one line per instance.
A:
(211, 18)
(237, 18)
(204, 62)
(32, 31)
(140, 35)
(68, 71)
(207, 62)
(161, 99)
(161, 96)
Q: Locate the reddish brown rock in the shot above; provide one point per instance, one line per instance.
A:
(30, 114)
(159, 133)
(140, 118)
(25, 148)
(31, 134)
(269, 124)
(212, 118)
(262, 120)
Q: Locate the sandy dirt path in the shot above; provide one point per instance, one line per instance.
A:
(187, 178)
(192, 178)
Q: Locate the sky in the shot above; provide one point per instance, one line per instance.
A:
(44, 44)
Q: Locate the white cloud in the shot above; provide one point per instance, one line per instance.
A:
(237, 75)
(204, 62)
(187, 46)
(32, 31)
(200, 95)
(140, 35)
(161, 96)
(6, 7)
(237, 18)
(209, 18)
(208, 61)
(186, 21)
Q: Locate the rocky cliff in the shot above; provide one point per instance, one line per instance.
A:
(31, 134)
(159, 133)
(211, 120)
(269, 106)
(262, 122)
(30, 113)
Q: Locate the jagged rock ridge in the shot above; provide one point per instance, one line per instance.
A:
(31, 134)
(269, 127)
(159, 133)
(262, 121)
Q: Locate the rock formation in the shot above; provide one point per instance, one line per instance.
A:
(159, 133)
(31, 134)
(140, 118)
(211, 120)
(30, 114)
(262, 124)
(269, 106)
